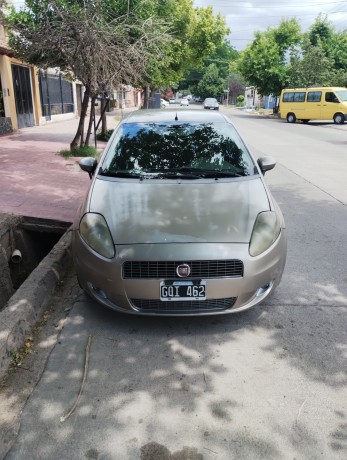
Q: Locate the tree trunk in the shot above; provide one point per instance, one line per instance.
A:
(103, 121)
(146, 98)
(79, 136)
(91, 119)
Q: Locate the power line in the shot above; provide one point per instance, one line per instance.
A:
(270, 5)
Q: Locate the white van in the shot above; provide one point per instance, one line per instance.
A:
(305, 104)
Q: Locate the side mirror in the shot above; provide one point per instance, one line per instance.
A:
(266, 164)
(89, 165)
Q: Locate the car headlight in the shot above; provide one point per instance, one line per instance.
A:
(265, 232)
(95, 232)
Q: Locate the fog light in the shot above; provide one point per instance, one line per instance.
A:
(263, 290)
(99, 292)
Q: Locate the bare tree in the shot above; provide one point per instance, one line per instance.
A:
(99, 48)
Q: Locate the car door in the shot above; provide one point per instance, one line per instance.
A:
(314, 105)
(329, 105)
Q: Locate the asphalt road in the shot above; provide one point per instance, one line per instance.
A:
(266, 384)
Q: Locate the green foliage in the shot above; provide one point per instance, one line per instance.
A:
(320, 31)
(86, 151)
(211, 84)
(313, 68)
(223, 55)
(240, 101)
(195, 32)
(316, 58)
(263, 63)
(104, 136)
(321, 60)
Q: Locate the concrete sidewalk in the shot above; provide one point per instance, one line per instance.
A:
(35, 180)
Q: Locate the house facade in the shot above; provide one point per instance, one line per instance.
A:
(29, 96)
(253, 99)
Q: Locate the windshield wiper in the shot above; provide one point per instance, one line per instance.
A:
(220, 174)
(176, 175)
(132, 174)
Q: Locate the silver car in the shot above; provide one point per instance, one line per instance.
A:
(178, 219)
(211, 103)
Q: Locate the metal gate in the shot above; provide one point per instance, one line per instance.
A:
(56, 95)
(23, 96)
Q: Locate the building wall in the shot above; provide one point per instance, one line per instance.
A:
(10, 121)
(251, 97)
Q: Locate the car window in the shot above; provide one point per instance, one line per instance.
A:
(342, 95)
(154, 149)
(314, 96)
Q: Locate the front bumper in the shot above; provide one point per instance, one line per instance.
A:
(103, 279)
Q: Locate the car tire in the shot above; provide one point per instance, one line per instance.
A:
(291, 118)
(339, 118)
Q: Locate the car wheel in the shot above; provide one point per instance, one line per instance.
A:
(291, 118)
(339, 119)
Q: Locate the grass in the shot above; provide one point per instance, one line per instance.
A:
(86, 151)
(104, 136)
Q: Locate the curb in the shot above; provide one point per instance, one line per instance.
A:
(28, 303)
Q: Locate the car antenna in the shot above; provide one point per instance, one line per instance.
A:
(176, 117)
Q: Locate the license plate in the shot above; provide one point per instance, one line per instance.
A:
(182, 290)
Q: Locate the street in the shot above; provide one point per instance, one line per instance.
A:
(270, 383)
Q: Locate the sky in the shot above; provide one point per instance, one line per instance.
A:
(244, 18)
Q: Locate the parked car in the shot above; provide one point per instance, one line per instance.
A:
(184, 102)
(163, 103)
(178, 219)
(305, 104)
(211, 103)
(172, 100)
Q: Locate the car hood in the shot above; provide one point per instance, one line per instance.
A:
(150, 211)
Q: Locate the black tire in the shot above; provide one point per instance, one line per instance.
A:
(339, 118)
(291, 118)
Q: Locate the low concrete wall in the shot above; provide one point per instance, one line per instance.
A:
(5, 125)
(26, 306)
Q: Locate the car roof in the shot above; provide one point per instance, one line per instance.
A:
(167, 115)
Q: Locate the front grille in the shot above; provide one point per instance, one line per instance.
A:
(205, 269)
(184, 306)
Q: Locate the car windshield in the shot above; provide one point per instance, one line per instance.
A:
(342, 95)
(182, 150)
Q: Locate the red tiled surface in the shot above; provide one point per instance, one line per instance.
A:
(35, 180)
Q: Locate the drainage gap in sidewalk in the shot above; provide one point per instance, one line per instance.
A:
(24, 242)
